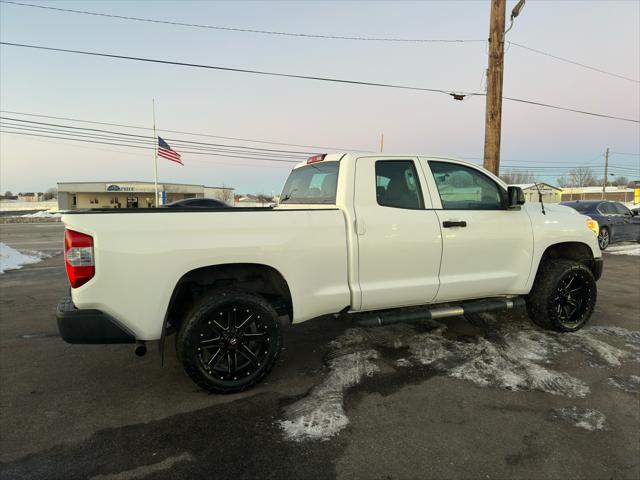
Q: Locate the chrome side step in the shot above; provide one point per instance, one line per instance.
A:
(388, 317)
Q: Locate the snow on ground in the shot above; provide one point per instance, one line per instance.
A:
(581, 417)
(43, 214)
(514, 356)
(9, 205)
(12, 259)
(625, 249)
(629, 384)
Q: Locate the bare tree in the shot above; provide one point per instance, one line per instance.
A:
(620, 181)
(8, 193)
(564, 181)
(50, 194)
(582, 177)
(518, 176)
(226, 195)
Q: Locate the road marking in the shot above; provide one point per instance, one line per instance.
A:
(146, 470)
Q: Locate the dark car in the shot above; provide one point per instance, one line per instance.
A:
(198, 203)
(617, 223)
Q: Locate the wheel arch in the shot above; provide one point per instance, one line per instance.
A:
(259, 278)
(576, 251)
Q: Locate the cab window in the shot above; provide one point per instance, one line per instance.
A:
(397, 184)
(312, 184)
(464, 188)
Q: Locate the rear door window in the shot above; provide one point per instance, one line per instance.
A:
(621, 209)
(312, 184)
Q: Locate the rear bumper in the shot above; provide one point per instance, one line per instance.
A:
(89, 326)
(598, 266)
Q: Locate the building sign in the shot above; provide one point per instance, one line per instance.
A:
(130, 187)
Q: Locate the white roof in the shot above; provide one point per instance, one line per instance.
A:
(525, 186)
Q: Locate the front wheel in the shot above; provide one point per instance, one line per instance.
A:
(604, 238)
(229, 341)
(563, 296)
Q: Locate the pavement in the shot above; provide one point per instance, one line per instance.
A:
(446, 400)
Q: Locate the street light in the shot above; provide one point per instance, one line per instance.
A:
(515, 12)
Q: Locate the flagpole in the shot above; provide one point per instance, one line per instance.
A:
(155, 152)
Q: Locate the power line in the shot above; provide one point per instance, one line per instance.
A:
(150, 147)
(137, 127)
(309, 77)
(310, 35)
(152, 139)
(622, 153)
(573, 62)
(249, 30)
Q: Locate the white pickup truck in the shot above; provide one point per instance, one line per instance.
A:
(358, 234)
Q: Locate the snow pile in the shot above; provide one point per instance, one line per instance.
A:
(513, 356)
(581, 417)
(320, 414)
(43, 214)
(11, 259)
(630, 384)
(628, 249)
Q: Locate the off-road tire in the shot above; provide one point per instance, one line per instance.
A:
(546, 295)
(207, 317)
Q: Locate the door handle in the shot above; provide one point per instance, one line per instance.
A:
(454, 223)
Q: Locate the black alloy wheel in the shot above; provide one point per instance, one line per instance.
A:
(572, 298)
(230, 341)
(563, 295)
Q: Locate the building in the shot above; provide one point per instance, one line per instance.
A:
(550, 194)
(616, 194)
(127, 194)
(30, 197)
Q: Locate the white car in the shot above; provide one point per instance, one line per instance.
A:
(354, 233)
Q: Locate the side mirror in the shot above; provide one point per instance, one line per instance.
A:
(515, 197)
(634, 213)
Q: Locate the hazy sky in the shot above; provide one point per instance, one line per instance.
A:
(602, 34)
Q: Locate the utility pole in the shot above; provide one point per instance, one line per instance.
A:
(493, 114)
(606, 172)
(495, 71)
(381, 142)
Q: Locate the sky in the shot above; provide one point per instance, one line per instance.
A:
(603, 34)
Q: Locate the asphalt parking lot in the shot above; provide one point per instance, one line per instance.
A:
(446, 400)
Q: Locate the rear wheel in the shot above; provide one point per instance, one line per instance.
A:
(563, 296)
(229, 341)
(604, 238)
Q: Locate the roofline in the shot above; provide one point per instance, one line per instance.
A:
(146, 183)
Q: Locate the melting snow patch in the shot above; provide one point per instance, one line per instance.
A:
(629, 384)
(512, 356)
(320, 414)
(43, 214)
(633, 250)
(581, 417)
(11, 259)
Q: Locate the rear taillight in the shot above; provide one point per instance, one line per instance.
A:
(78, 257)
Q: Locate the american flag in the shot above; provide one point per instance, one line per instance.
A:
(165, 151)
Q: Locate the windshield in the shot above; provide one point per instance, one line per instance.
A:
(316, 183)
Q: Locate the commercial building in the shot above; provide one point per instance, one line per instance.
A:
(550, 194)
(615, 194)
(127, 194)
